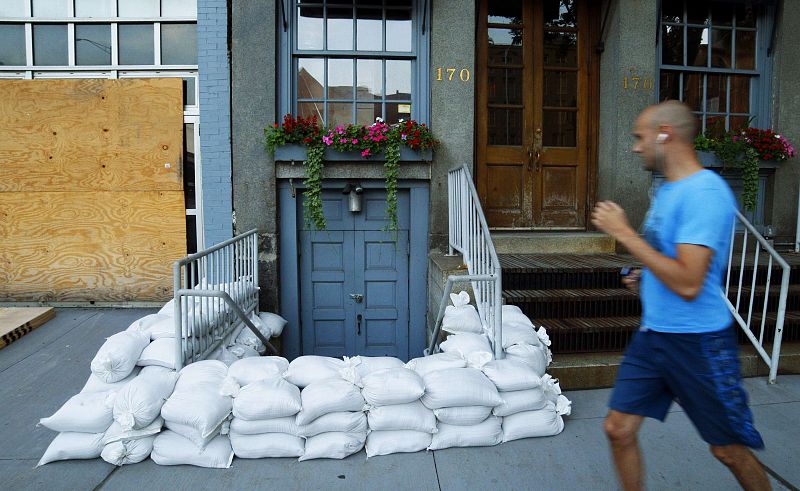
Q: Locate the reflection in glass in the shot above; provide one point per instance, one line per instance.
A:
(505, 85)
(507, 12)
(136, 44)
(12, 8)
(94, 8)
(721, 50)
(505, 37)
(92, 44)
(560, 13)
(714, 125)
(188, 165)
(501, 50)
(309, 109)
(693, 90)
(394, 3)
(697, 46)
(367, 112)
(12, 44)
(340, 113)
(309, 28)
(697, 11)
(561, 89)
(396, 112)
(739, 122)
(745, 16)
(672, 10)
(559, 129)
(50, 44)
(191, 234)
(369, 30)
(370, 79)
(51, 8)
(340, 78)
(669, 88)
(178, 8)
(746, 50)
(721, 14)
(740, 94)
(672, 45)
(310, 78)
(138, 8)
(716, 93)
(398, 30)
(398, 79)
(340, 29)
(560, 49)
(505, 126)
(189, 96)
(178, 44)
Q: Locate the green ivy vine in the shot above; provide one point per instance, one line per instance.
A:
(391, 170)
(312, 204)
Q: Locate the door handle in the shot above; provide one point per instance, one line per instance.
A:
(358, 324)
(357, 297)
(530, 159)
(537, 149)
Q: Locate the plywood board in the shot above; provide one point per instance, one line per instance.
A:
(101, 246)
(16, 322)
(91, 135)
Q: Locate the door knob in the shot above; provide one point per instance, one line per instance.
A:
(357, 297)
(537, 149)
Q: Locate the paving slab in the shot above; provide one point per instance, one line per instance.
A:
(23, 475)
(778, 424)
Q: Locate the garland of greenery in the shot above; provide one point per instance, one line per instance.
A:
(312, 204)
(391, 171)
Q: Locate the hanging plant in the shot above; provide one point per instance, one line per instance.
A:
(368, 140)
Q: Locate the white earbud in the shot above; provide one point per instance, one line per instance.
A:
(661, 138)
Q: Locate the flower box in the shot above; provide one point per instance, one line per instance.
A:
(297, 153)
(710, 160)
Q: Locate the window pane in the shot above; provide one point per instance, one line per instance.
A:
(340, 79)
(396, 112)
(50, 44)
(560, 13)
(397, 3)
(745, 16)
(669, 86)
(746, 50)
(309, 28)
(179, 8)
(739, 122)
(672, 10)
(697, 11)
(560, 49)
(136, 44)
(369, 30)
(178, 44)
(505, 126)
(191, 234)
(508, 12)
(559, 129)
(367, 112)
(697, 46)
(716, 93)
(340, 113)
(92, 44)
(138, 8)
(672, 45)
(94, 8)
(740, 94)
(370, 79)
(12, 8)
(721, 14)
(721, 48)
(310, 78)
(188, 165)
(398, 79)
(51, 8)
(561, 89)
(505, 85)
(715, 125)
(12, 44)
(505, 46)
(693, 90)
(398, 30)
(340, 29)
(309, 109)
(189, 96)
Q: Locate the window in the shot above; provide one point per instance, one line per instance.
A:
(712, 57)
(354, 61)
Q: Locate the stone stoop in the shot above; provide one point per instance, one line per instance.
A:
(524, 242)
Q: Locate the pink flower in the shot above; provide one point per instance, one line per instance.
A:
(342, 140)
(365, 152)
(355, 141)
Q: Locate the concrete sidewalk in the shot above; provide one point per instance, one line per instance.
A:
(42, 370)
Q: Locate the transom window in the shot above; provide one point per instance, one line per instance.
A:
(354, 61)
(710, 58)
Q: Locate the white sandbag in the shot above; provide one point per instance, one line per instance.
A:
(116, 433)
(563, 406)
(231, 354)
(519, 401)
(164, 327)
(461, 317)
(392, 386)
(196, 400)
(71, 446)
(278, 425)
(169, 448)
(358, 367)
(194, 435)
(246, 337)
(438, 361)
(551, 387)
(544, 338)
(466, 344)
(529, 424)
(412, 416)
(267, 399)
(252, 369)
(168, 309)
(509, 374)
(139, 402)
(160, 353)
(463, 415)
(459, 387)
(519, 333)
(339, 422)
(118, 356)
(304, 370)
(513, 314)
(266, 445)
(86, 412)
(273, 322)
(537, 357)
(94, 384)
(146, 323)
(333, 445)
(128, 451)
(203, 371)
(483, 434)
(328, 396)
(401, 441)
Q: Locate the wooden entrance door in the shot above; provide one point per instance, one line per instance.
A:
(533, 61)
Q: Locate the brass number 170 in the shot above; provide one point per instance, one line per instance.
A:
(450, 73)
(637, 83)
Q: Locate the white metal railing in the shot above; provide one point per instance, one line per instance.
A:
(745, 315)
(215, 292)
(469, 235)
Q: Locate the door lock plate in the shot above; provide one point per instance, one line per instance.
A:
(357, 297)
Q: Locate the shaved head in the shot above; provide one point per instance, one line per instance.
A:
(674, 114)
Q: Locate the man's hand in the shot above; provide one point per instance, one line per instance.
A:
(631, 281)
(610, 218)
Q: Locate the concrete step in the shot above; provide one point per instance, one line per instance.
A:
(566, 303)
(527, 242)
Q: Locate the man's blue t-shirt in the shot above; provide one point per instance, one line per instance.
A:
(698, 209)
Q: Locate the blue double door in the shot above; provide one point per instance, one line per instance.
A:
(354, 279)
